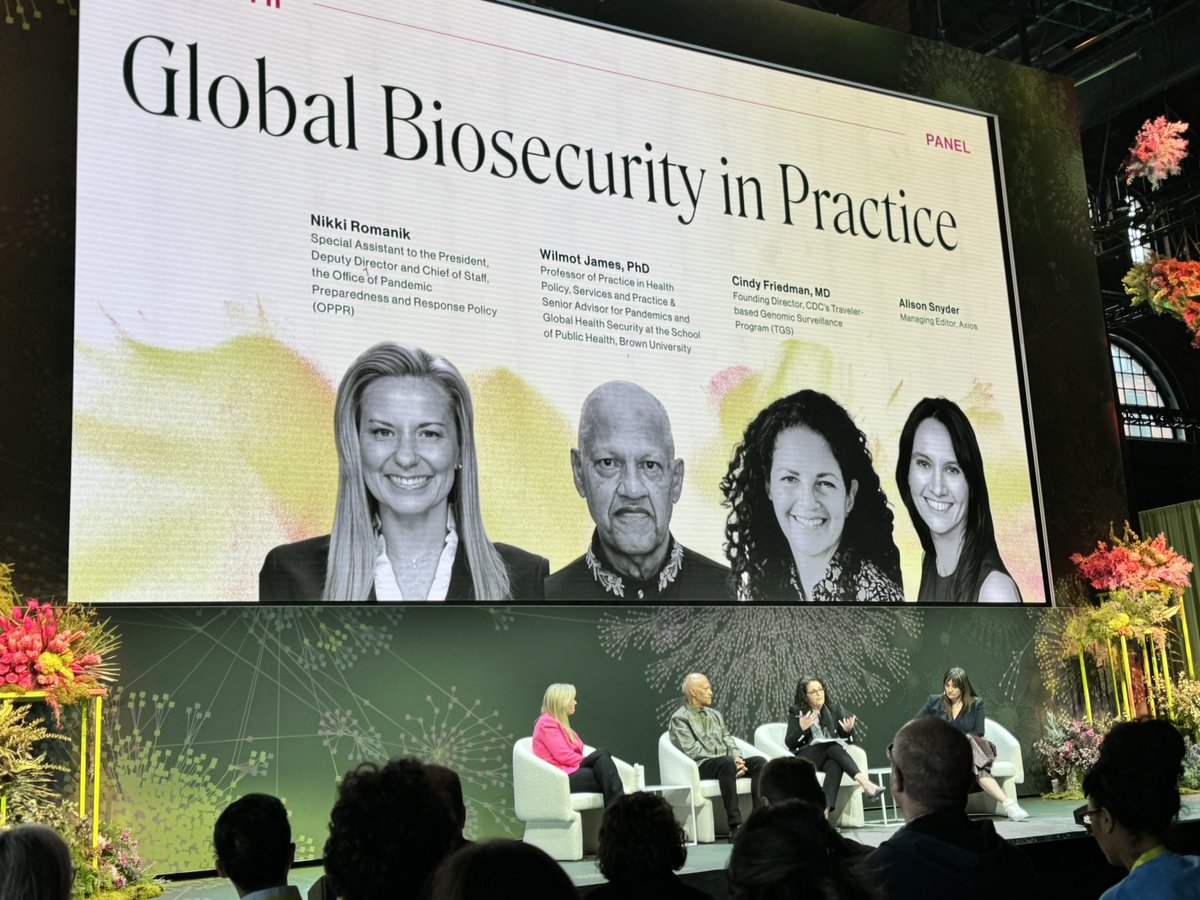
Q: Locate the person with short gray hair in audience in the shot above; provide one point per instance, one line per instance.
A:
(253, 842)
(940, 852)
(626, 469)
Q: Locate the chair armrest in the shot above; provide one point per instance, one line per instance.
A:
(540, 789)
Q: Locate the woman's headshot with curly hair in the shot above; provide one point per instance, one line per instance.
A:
(808, 519)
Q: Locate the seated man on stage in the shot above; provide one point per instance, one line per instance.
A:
(700, 732)
(625, 468)
(254, 848)
(940, 852)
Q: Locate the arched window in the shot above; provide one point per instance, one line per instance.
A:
(1141, 389)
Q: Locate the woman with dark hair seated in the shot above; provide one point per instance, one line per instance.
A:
(641, 849)
(789, 852)
(818, 730)
(501, 870)
(959, 705)
(1132, 802)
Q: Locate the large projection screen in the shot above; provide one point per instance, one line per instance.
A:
(265, 192)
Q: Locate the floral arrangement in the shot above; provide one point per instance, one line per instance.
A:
(119, 874)
(1069, 748)
(26, 778)
(1157, 151)
(1186, 699)
(64, 651)
(1135, 564)
(1190, 780)
(1167, 285)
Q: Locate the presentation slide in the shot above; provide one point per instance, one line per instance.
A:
(267, 191)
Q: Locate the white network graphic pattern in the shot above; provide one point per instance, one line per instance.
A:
(754, 655)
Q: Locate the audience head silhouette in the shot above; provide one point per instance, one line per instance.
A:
(640, 839)
(788, 852)
(791, 778)
(1133, 790)
(253, 843)
(388, 830)
(501, 870)
(931, 767)
(35, 864)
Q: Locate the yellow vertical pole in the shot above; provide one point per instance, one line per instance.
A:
(1112, 668)
(1087, 697)
(1166, 677)
(3, 809)
(1158, 672)
(83, 754)
(1129, 707)
(96, 784)
(1146, 677)
(1187, 642)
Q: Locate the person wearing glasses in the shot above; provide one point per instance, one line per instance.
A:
(818, 730)
(940, 851)
(1132, 802)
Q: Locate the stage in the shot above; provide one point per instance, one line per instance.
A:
(1066, 857)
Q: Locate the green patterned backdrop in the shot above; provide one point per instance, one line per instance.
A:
(217, 702)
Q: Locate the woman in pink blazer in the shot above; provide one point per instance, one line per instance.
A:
(556, 742)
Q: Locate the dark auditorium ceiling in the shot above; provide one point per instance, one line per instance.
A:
(1120, 53)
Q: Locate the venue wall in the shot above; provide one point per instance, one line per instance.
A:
(219, 700)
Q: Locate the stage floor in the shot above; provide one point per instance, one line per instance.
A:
(1048, 820)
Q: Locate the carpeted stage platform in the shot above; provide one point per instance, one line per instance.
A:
(1067, 858)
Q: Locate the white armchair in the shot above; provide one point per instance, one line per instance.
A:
(563, 824)
(848, 811)
(676, 767)
(1008, 769)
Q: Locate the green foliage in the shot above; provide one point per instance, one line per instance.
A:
(26, 779)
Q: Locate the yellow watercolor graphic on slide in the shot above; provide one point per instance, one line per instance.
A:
(190, 464)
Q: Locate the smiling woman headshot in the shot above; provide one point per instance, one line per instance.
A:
(808, 519)
(939, 472)
(407, 525)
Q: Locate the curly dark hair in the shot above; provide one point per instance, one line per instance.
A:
(388, 830)
(639, 838)
(758, 551)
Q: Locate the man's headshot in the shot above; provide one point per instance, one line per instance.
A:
(624, 467)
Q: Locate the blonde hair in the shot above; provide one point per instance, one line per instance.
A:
(555, 704)
(350, 570)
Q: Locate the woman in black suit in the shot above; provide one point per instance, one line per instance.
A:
(407, 524)
(818, 730)
(959, 705)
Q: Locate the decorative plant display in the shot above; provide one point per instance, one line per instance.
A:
(114, 870)
(62, 654)
(1168, 286)
(26, 778)
(1157, 151)
(63, 651)
(1141, 581)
